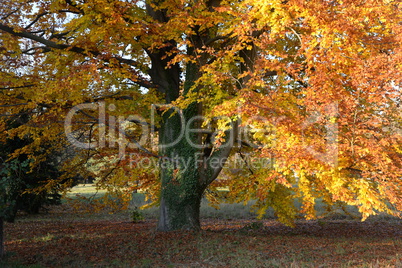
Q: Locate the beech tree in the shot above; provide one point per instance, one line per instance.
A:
(312, 86)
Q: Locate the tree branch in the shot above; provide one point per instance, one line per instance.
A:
(39, 39)
(11, 13)
(36, 19)
(31, 51)
(139, 80)
(213, 167)
(216, 38)
(8, 88)
(69, 2)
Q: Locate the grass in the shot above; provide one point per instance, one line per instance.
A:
(231, 237)
(123, 244)
(86, 190)
(226, 211)
(115, 243)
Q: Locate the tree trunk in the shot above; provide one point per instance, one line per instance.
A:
(182, 214)
(185, 168)
(180, 173)
(1, 238)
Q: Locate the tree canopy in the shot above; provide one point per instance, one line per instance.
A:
(312, 87)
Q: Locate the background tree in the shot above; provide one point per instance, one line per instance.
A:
(28, 182)
(6, 206)
(25, 187)
(312, 85)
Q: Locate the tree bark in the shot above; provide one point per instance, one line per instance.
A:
(1, 238)
(181, 214)
(180, 173)
(186, 169)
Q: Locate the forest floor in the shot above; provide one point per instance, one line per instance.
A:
(67, 238)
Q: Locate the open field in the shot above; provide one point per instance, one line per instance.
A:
(231, 237)
(226, 211)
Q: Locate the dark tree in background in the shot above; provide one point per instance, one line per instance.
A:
(24, 187)
(21, 179)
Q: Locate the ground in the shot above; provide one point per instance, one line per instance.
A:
(65, 238)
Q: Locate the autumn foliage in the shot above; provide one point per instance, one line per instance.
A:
(315, 87)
